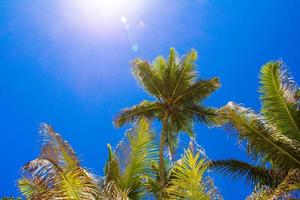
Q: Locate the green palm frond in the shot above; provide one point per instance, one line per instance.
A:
(33, 188)
(206, 115)
(56, 174)
(256, 175)
(187, 178)
(181, 121)
(279, 102)
(134, 155)
(263, 193)
(146, 76)
(151, 183)
(263, 140)
(185, 73)
(111, 190)
(57, 150)
(291, 182)
(144, 109)
(198, 91)
(112, 167)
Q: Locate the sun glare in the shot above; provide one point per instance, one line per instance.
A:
(104, 8)
(103, 11)
(103, 19)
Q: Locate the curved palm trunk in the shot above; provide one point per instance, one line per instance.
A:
(161, 149)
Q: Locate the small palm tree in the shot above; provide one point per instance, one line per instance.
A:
(272, 137)
(178, 95)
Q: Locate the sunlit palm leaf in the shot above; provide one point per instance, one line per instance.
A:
(279, 99)
(263, 140)
(147, 78)
(111, 190)
(186, 181)
(134, 155)
(56, 174)
(185, 73)
(32, 189)
(181, 121)
(206, 115)
(290, 183)
(198, 91)
(112, 168)
(144, 109)
(256, 175)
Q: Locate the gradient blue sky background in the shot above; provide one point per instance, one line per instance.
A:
(66, 63)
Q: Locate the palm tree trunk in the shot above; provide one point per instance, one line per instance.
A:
(161, 149)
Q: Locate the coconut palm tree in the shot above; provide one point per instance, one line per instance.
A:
(272, 137)
(177, 99)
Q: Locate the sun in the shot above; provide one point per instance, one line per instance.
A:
(99, 8)
(102, 11)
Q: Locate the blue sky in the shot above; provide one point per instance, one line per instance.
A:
(67, 63)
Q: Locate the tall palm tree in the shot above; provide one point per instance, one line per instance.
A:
(177, 99)
(272, 137)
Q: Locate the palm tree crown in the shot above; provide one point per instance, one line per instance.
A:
(178, 95)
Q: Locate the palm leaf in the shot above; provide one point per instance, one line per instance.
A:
(58, 150)
(146, 76)
(256, 175)
(263, 140)
(290, 183)
(186, 181)
(205, 115)
(134, 155)
(283, 191)
(110, 190)
(144, 109)
(185, 73)
(112, 168)
(279, 99)
(56, 174)
(198, 91)
(32, 189)
(181, 121)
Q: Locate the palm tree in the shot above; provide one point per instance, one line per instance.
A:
(272, 137)
(178, 95)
